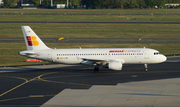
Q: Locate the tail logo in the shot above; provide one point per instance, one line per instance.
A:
(32, 41)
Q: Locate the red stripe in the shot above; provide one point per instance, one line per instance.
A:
(30, 43)
(29, 40)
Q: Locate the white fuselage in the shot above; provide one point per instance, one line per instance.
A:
(125, 55)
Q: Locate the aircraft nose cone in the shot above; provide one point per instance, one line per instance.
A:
(164, 58)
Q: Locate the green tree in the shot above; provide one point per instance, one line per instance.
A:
(109, 3)
(87, 3)
(173, 1)
(133, 3)
(141, 3)
(75, 2)
(10, 3)
(92, 3)
(59, 1)
(120, 3)
(150, 3)
(160, 2)
(97, 4)
(37, 2)
(47, 3)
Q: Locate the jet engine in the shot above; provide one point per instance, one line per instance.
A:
(115, 65)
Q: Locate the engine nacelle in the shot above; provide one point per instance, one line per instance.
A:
(115, 65)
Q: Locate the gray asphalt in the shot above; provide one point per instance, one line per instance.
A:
(35, 87)
(83, 13)
(90, 40)
(91, 22)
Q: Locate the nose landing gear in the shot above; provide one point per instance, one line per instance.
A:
(146, 68)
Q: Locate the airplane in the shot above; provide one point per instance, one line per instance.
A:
(112, 58)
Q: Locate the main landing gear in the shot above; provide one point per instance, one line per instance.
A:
(96, 69)
(146, 68)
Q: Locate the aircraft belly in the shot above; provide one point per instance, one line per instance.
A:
(134, 60)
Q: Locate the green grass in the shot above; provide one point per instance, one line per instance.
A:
(76, 30)
(91, 11)
(9, 54)
(92, 18)
(9, 51)
(115, 15)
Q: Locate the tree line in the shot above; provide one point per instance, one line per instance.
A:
(99, 4)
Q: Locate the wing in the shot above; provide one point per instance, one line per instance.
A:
(100, 61)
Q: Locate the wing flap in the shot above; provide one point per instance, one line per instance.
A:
(94, 60)
(101, 61)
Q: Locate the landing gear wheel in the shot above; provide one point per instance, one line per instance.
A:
(96, 69)
(146, 70)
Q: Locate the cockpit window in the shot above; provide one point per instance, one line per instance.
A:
(156, 53)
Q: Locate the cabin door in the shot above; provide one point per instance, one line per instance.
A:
(146, 54)
(49, 57)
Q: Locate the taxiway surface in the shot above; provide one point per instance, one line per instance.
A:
(35, 86)
(90, 40)
(91, 22)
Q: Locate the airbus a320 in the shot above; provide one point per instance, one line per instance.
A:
(112, 58)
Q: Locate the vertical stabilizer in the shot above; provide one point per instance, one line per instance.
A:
(33, 42)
